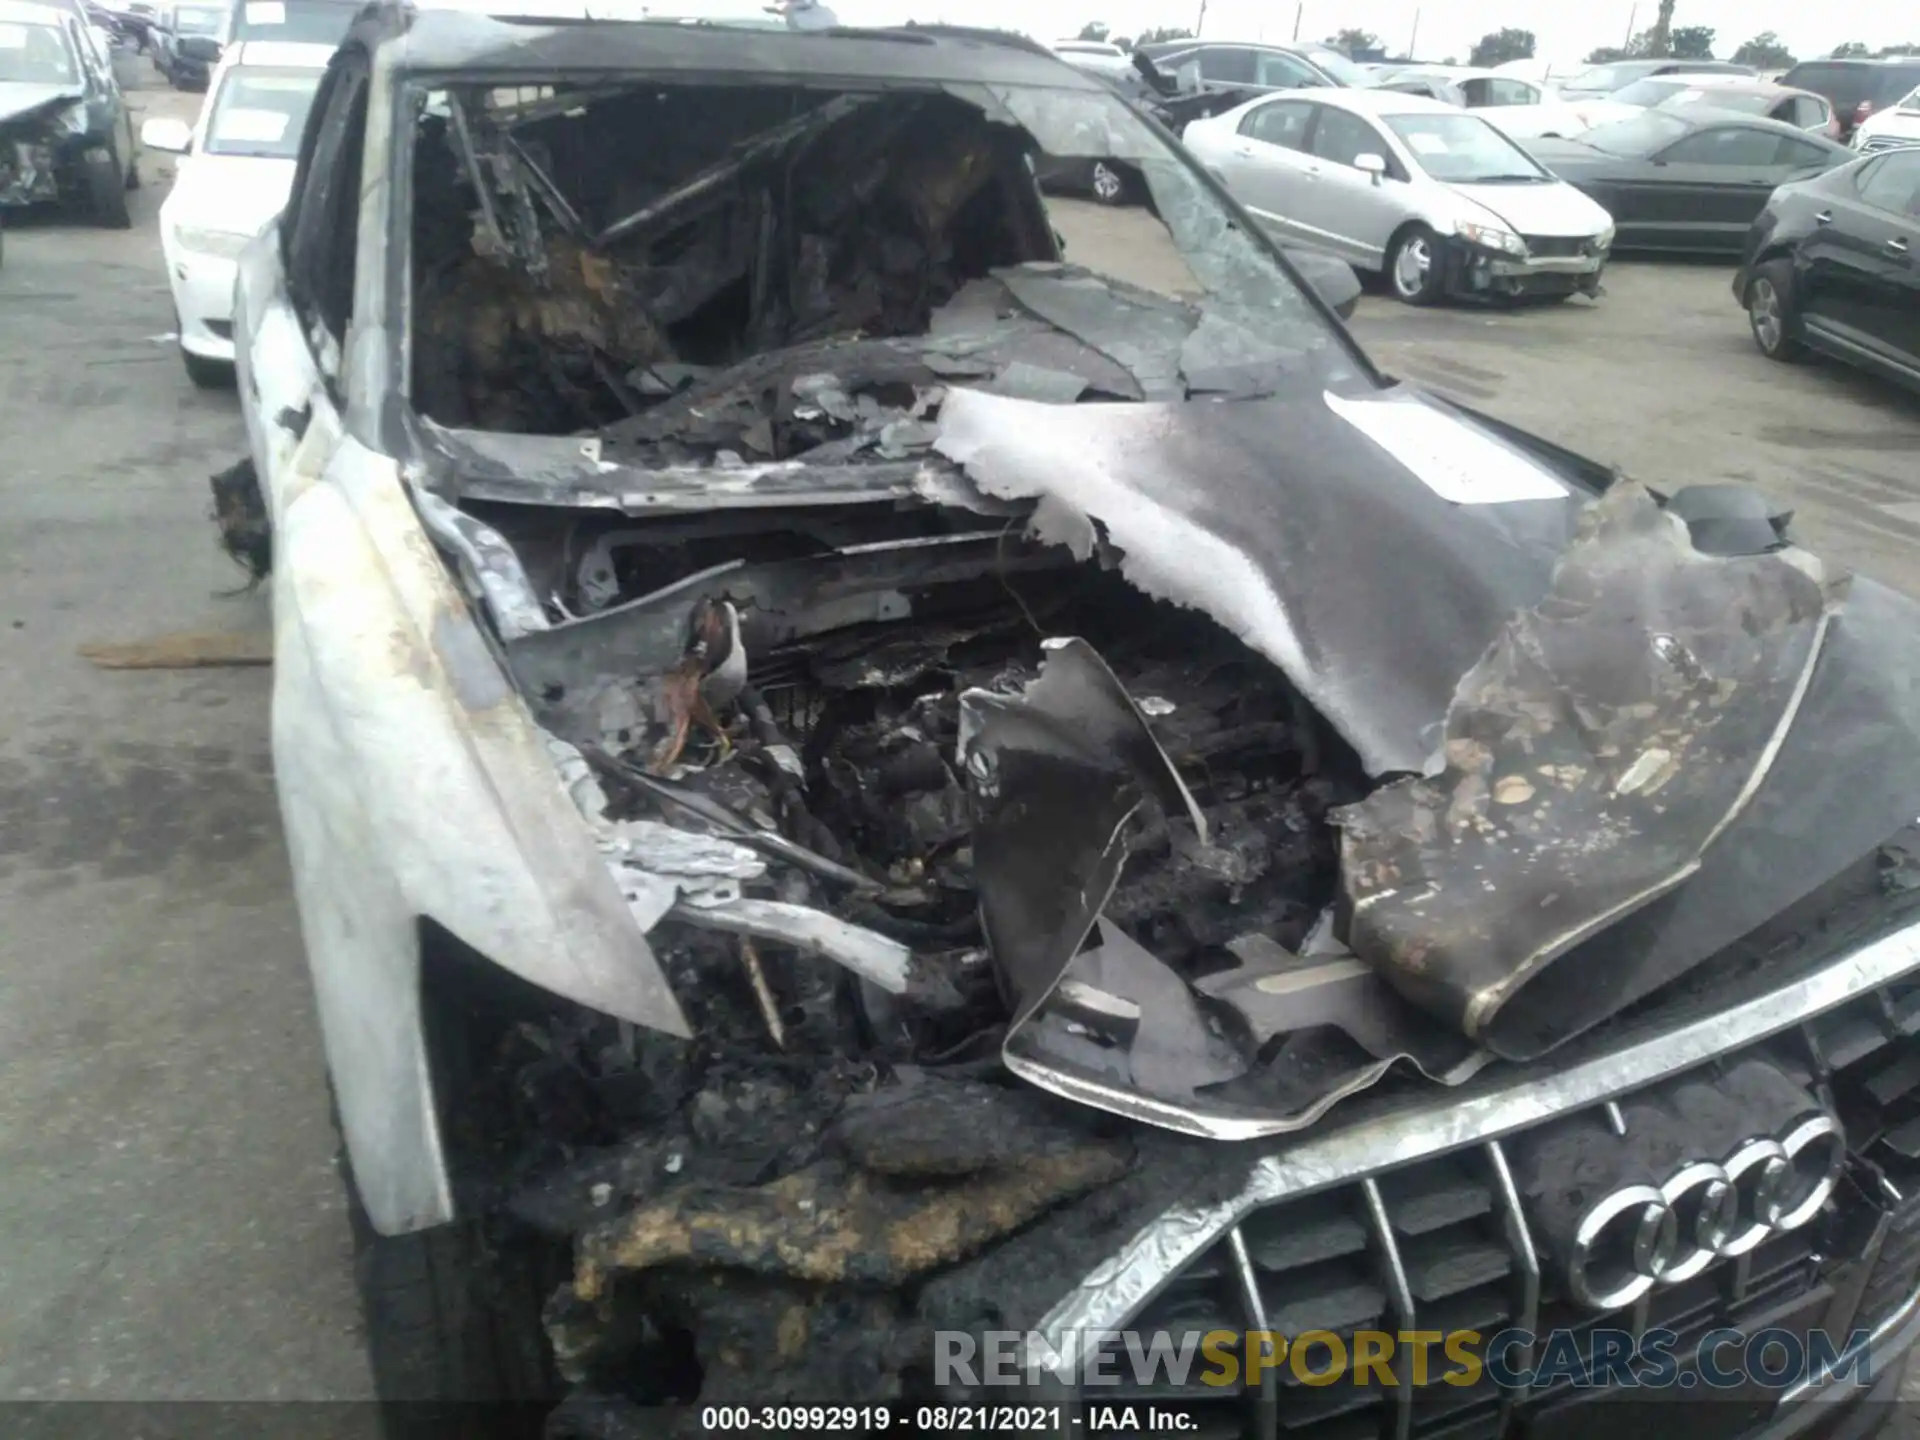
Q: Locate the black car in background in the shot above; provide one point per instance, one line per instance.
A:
(1857, 88)
(188, 40)
(1833, 264)
(1689, 180)
(1190, 80)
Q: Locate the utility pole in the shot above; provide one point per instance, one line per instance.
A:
(1413, 45)
(1298, 11)
(1632, 15)
(1200, 19)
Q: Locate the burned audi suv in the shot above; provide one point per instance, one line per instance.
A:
(853, 781)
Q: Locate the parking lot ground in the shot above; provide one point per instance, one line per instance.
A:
(173, 1225)
(1658, 377)
(1661, 378)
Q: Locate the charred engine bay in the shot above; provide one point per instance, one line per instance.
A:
(790, 1181)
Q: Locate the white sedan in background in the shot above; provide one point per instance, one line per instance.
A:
(235, 169)
(1511, 103)
(1425, 193)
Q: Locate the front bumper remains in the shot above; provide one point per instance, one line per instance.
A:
(203, 298)
(1462, 1216)
(1476, 272)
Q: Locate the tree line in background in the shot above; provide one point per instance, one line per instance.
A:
(1660, 40)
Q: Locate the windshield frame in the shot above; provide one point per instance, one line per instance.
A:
(387, 301)
(1648, 117)
(218, 101)
(1392, 120)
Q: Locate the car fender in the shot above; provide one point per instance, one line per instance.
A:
(413, 783)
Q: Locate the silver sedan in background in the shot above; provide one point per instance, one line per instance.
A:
(1432, 197)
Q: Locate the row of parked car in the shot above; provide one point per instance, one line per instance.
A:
(1450, 182)
(67, 138)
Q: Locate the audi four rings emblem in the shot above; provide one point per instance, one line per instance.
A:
(1641, 1235)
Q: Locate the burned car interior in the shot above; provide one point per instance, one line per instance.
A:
(1056, 737)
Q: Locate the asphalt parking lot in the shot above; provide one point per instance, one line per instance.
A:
(166, 1178)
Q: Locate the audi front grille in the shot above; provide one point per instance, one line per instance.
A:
(1456, 1242)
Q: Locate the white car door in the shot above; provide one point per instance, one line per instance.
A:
(1345, 209)
(1263, 162)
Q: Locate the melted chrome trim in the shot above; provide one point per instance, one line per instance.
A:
(1115, 1291)
(1895, 1334)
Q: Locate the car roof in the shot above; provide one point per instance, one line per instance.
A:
(1382, 102)
(1180, 47)
(1738, 85)
(1462, 72)
(16, 12)
(440, 40)
(1856, 62)
(1699, 117)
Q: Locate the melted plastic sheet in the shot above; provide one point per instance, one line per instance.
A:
(1606, 739)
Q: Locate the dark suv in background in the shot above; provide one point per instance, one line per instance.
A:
(1857, 88)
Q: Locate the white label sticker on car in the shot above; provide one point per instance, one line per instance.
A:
(266, 12)
(1448, 456)
(13, 37)
(259, 127)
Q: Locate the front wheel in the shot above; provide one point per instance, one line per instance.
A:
(453, 1326)
(1414, 267)
(1770, 311)
(107, 191)
(1109, 185)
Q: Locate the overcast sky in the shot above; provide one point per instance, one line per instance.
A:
(1446, 27)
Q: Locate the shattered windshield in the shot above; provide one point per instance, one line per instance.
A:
(910, 239)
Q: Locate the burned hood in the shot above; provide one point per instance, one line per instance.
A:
(1604, 722)
(1371, 546)
(21, 100)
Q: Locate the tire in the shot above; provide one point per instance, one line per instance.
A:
(1770, 311)
(207, 373)
(453, 1329)
(1415, 267)
(107, 193)
(1109, 185)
